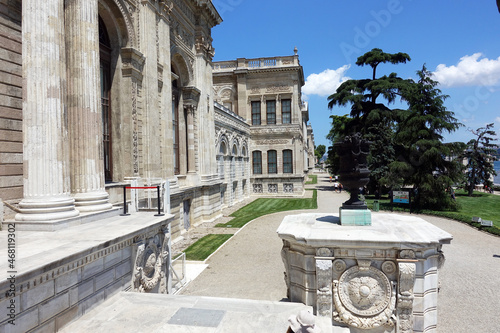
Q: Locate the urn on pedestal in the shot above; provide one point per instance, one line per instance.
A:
(354, 174)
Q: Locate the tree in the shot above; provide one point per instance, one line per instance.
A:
(320, 151)
(479, 154)
(372, 119)
(423, 160)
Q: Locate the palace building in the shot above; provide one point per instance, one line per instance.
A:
(267, 93)
(97, 95)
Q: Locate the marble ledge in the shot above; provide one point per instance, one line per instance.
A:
(386, 231)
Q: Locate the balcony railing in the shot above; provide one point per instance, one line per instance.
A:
(222, 66)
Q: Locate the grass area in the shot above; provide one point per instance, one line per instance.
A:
(205, 246)
(484, 205)
(264, 206)
(313, 179)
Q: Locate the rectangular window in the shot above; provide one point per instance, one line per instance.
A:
(272, 162)
(256, 113)
(271, 112)
(257, 162)
(287, 161)
(286, 111)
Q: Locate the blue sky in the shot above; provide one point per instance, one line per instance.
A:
(458, 40)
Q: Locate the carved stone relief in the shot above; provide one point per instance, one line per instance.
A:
(257, 188)
(150, 271)
(407, 274)
(272, 188)
(364, 297)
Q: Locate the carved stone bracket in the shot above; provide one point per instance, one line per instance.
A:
(407, 274)
(133, 63)
(324, 294)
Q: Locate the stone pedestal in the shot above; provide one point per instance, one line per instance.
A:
(381, 277)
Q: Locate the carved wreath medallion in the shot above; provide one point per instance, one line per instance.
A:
(364, 298)
(364, 292)
(148, 265)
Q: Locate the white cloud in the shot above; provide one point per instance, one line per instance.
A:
(470, 71)
(325, 83)
(497, 119)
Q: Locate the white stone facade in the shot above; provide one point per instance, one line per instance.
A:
(124, 91)
(119, 92)
(266, 92)
(233, 166)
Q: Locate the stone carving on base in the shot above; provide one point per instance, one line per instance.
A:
(287, 188)
(364, 298)
(324, 293)
(407, 272)
(150, 265)
(272, 188)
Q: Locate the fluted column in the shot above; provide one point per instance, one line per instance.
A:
(45, 150)
(84, 113)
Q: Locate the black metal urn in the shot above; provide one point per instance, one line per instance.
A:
(353, 168)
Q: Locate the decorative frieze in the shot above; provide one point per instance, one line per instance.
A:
(273, 142)
(278, 88)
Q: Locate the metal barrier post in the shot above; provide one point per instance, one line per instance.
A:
(159, 202)
(125, 201)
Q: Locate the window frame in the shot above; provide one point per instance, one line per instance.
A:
(286, 112)
(257, 162)
(287, 161)
(256, 116)
(271, 112)
(272, 163)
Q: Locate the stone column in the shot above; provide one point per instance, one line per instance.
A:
(84, 113)
(45, 152)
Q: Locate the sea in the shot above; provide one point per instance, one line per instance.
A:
(496, 165)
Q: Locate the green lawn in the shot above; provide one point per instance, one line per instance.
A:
(313, 180)
(264, 206)
(205, 246)
(484, 205)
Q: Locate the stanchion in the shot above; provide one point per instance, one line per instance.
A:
(125, 202)
(159, 202)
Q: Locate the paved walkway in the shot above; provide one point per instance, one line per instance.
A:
(249, 266)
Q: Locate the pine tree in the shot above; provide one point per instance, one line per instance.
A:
(374, 120)
(423, 160)
(479, 155)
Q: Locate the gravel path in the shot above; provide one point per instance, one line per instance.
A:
(250, 266)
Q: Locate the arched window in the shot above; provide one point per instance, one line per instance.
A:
(220, 160)
(257, 162)
(287, 161)
(272, 163)
(233, 161)
(105, 73)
